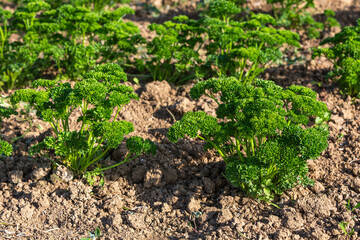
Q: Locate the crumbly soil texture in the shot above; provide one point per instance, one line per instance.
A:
(181, 193)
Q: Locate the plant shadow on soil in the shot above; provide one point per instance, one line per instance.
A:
(159, 190)
(287, 75)
(348, 17)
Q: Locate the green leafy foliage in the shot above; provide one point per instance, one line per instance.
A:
(223, 10)
(264, 133)
(100, 96)
(232, 47)
(344, 54)
(174, 52)
(244, 49)
(5, 147)
(18, 60)
(97, 5)
(293, 14)
(69, 39)
(91, 38)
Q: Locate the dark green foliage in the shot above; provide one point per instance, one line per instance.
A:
(292, 14)
(69, 39)
(174, 52)
(4, 31)
(5, 147)
(223, 10)
(18, 60)
(90, 38)
(232, 47)
(100, 96)
(244, 49)
(264, 133)
(344, 54)
(97, 5)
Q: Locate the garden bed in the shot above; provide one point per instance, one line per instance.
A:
(181, 192)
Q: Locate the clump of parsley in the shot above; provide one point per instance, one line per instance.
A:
(264, 133)
(97, 5)
(19, 59)
(174, 52)
(5, 147)
(69, 40)
(343, 53)
(231, 46)
(78, 38)
(293, 14)
(242, 48)
(100, 96)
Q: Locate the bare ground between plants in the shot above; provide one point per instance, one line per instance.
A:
(181, 193)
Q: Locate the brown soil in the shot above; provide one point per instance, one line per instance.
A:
(180, 193)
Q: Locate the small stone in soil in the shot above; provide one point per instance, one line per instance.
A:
(39, 173)
(64, 173)
(15, 176)
(356, 185)
(193, 205)
(153, 178)
(224, 216)
(208, 185)
(318, 187)
(136, 220)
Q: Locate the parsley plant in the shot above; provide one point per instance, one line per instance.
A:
(343, 52)
(99, 97)
(264, 133)
(293, 14)
(5, 147)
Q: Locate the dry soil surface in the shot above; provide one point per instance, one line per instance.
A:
(181, 193)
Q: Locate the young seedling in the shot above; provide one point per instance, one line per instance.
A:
(264, 133)
(100, 96)
(192, 220)
(94, 236)
(344, 225)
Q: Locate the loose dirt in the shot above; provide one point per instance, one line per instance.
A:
(181, 193)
